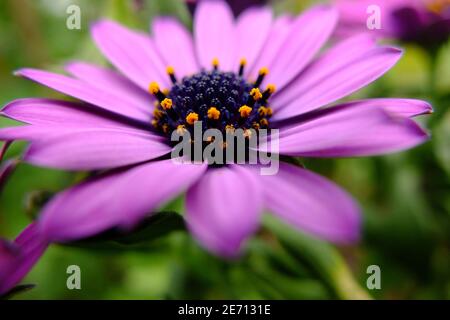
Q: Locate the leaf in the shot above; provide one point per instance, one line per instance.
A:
(321, 258)
(139, 238)
(17, 290)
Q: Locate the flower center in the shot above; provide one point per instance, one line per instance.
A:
(437, 6)
(220, 100)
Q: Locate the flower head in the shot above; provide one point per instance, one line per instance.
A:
(250, 73)
(425, 22)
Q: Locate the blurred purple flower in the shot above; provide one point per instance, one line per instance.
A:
(425, 22)
(18, 257)
(110, 130)
(238, 6)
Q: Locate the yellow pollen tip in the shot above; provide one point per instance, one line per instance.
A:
(245, 111)
(165, 128)
(229, 128)
(213, 113)
(153, 88)
(166, 92)
(243, 62)
(215, 62)
(191, 118)
(247, 133)
(255, 125)
(256, 94)
(264, 122)
(263, 71)
(166, 103)
(181, 128)
(170, 70)
(157, 113)
(155, 123)
(271, 88)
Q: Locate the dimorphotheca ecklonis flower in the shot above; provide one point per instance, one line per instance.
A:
(425, 22)
(253, 73)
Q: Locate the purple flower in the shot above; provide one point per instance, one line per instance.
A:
(237, 6)
(18, 257)
(425, 22)
(110, 129)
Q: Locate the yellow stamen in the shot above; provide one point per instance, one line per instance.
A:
(215, 62)
(165, 128)
(155, 123)
(263, 71)
(256, 94)
(255, 125)
(229, 128)
(264, 122)
(213, 113)
(271, 88)
(166, 104)
(243, 62)
(191, 118)
(170, 70)
(265, 111)
(157, 113)
(181, 129)
(248, 133)
(153, 88)
(166, 92)
(245, 111)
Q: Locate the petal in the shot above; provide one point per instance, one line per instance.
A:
(278, 33)
(339, 56)
(309, 32)
(47, 112)
(214, 33)
(223, 209)
(110, 81)
(84, 91)
(350, 131)
(176, 45)
(119, 199)
(17, 259)
(312, 204)
(252, 29)
(407, 108)
(340, 83)
(131, 52)
(92, 149)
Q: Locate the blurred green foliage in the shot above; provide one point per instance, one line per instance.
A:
(405, 197)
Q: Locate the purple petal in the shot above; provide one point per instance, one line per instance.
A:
(31, 133)
(407, 108)
(252, 29)
(86, 92)
(214, 33)
(309, 32)
(312, 204)
(278, 33)
(119, 199)
(339, 56)
(339, 83)
(110, 81)
(92, 149)
(131, 52)
(223, 209)
(176, 45)
(48, 113)
(350, 131)
(6, 169)
(17, 259)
